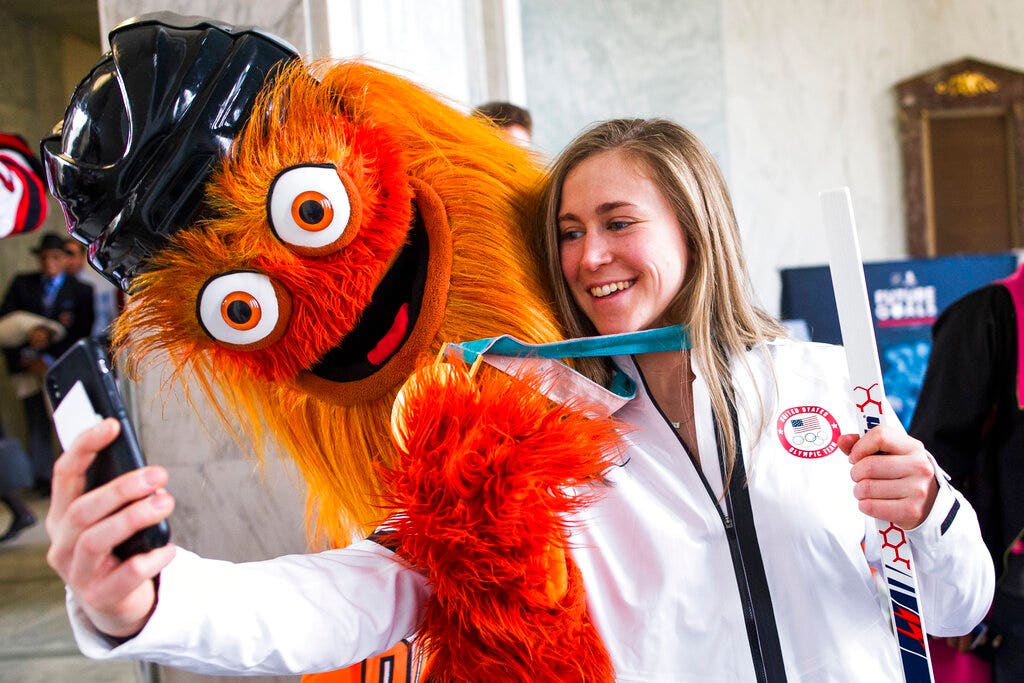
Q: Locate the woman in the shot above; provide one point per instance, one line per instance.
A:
(733, 543)
(639, 232)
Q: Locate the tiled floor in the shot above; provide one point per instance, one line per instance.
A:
(36, 645)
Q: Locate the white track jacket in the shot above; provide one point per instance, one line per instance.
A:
(673, 567)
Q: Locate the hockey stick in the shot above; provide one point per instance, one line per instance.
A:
(868, 393)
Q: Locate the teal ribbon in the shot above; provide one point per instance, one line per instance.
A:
(672, 338)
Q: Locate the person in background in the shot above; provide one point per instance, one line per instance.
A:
(15, 475)
(23, 208)
(733, 541)
(514, 121)
(17, 328)
(106, 304)
(48, 292)
(970, 415)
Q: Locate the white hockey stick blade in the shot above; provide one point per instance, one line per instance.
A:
(868, 394)
(852, 304)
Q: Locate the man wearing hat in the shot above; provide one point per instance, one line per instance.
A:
(50, 293)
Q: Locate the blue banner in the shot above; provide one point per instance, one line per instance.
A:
(906, 297)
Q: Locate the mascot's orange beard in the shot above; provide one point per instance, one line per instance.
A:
(395, 142)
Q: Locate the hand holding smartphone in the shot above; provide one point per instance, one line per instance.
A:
(81, 391)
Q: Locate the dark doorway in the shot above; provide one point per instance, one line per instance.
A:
(971, 179)
(962, 139)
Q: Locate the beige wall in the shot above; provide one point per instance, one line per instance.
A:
(792, 97)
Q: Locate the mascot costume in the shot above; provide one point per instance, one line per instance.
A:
(301, 240)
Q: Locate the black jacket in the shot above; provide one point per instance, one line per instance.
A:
(969, 417)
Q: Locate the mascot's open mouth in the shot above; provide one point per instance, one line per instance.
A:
(402, 319)
(388, 319)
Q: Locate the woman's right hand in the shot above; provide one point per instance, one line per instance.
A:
(84, 528)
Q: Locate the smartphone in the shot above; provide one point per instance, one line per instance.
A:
(82, 390)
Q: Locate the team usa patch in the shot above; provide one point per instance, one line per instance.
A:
(808, 432)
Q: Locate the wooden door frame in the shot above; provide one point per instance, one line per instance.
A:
(967, 87)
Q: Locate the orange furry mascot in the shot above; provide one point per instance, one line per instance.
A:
(355, 225)
(433, 249)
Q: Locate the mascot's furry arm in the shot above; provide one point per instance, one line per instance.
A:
(489, 471)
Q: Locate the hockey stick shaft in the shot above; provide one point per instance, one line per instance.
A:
(868, 394)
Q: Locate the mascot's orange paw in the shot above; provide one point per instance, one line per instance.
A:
(489, 469)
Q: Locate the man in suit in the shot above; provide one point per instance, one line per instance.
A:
(51, 293)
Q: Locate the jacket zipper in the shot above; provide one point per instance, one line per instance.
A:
(735, 553)
(740, 569)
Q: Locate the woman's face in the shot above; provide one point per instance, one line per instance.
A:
(622, 249)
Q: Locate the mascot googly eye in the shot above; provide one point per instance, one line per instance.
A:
(313, 209)
(243, 310)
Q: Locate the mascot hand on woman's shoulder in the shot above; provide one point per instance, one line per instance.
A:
(299, 239)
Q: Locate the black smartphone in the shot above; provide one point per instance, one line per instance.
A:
(82, 390)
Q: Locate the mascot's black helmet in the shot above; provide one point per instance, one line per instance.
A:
(145, 128)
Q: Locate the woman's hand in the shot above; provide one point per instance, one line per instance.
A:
(895, 481)
(84, 527)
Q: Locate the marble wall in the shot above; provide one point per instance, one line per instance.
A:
(450, 46)
(441, 45)
(288, 20)
(810, 104)
(793, 97)
(589, 60)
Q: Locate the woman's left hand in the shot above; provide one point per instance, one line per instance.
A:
(895, 481)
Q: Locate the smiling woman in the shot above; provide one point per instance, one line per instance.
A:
(734, 507)
(649, 197)
(623, 251)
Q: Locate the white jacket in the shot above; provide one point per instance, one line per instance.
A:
(662, 585)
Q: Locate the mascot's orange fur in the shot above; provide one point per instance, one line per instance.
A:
(411, 165)
(357, 224)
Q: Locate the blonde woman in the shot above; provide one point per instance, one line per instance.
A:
(732, 542)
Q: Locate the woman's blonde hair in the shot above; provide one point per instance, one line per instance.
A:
(714, 301)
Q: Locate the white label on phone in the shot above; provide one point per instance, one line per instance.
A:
(74, 415)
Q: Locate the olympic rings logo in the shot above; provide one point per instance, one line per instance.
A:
(808, 432)
(813, 439)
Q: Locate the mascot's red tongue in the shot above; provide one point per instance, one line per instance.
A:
(390, 342)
